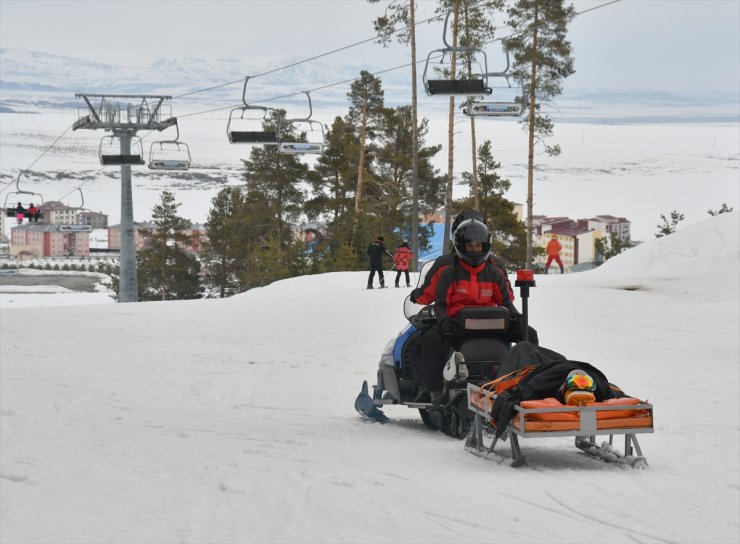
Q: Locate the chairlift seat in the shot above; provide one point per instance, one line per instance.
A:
(451, 87)
(168, 164)
(299, 148)
(11, 212)
(253, 137)
(75, 228)
(106, 160)
(494, 109)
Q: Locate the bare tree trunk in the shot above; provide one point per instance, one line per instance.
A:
(414, 146)
(360, 165)
(451, 138)
(474, 188)
(530, 161)
(474, 181)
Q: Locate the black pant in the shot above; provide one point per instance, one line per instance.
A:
(398, 277)
(379, 270)
(435, 349)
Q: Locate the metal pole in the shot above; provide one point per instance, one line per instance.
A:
(128, 290)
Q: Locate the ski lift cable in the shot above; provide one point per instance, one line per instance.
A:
(39, 157)
(329, 85)
(292, 94)
(315, 57)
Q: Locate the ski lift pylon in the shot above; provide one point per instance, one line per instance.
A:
(475, 86)
(110, 154)
(170, 154)
(237, 133)
(316, 139)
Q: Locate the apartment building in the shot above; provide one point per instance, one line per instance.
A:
(42, 240)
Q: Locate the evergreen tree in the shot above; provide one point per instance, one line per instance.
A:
(165, 270)
(333, 178)
(669, 227)
(366, 114)
(507, 231)
(608, 247)
(542, 61)
(403, 14)
(223, 253)
(277, 178)
(723, 209)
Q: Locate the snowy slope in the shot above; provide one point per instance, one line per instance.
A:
(232, 420)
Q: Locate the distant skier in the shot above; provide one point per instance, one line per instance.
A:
(376, 250)
(20, 213)
(401, 259)
(553, 253)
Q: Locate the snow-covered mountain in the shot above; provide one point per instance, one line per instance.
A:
(31, 80)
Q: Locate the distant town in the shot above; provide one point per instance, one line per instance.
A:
(58, 230)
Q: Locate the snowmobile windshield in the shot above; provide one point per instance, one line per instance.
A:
(425, 268)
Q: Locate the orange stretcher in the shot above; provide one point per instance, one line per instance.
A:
(548, 417)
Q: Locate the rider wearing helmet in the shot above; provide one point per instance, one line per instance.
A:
(471, 280)
(425, 293)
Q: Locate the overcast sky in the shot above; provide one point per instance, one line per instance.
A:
(645, 44)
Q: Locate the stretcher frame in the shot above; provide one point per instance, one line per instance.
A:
(585, 429)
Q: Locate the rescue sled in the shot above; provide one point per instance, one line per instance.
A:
(549, 417)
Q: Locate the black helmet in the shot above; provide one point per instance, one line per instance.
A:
(464, 215)
(472, 230)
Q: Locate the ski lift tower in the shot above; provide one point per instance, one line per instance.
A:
(123, 116)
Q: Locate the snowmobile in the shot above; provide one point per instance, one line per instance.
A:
(490, 334)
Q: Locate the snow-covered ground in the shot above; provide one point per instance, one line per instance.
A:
(232, 420)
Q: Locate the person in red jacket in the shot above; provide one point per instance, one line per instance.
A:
(553, 253)
(425, 293)
(33, 213)
(401, 259)
(471, 280)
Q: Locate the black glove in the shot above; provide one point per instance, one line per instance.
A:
(415, 294)
(448, 326)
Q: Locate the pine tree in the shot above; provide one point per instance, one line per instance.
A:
(165, 270)
(507, 231)
(223, 253)
(333, 178)
(723, 209)
(403, 14)
(277, 178)
(542, 61)
(610, 246)
(669, 227)
(366, 114)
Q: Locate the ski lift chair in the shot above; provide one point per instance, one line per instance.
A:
(510, 101)
(77, 226)
(316, 139)
(19, 195)
(241, 129)
(110, 154)
(170, 154)
(474, 86)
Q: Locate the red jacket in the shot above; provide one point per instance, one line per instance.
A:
(402, 257)
(429, 287)
(553, 248)
(462, 285)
